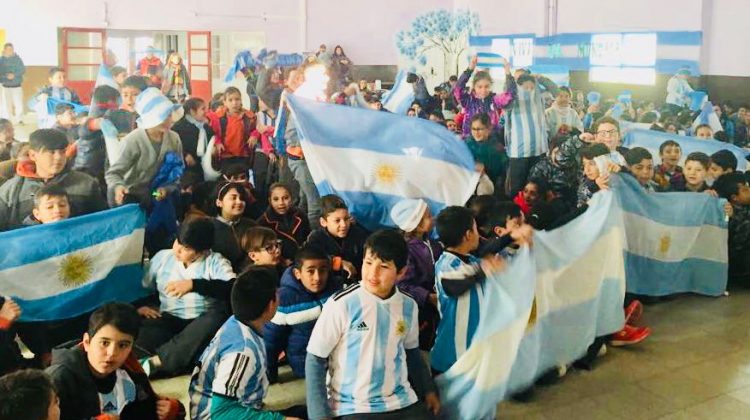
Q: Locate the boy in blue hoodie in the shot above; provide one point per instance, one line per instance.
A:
(305, 287)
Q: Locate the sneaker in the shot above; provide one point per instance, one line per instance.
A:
(633, 312)
(629, 335)
(146, 365)
(602, 350)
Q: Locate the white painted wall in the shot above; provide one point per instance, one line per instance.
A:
(725, 49)
(366, 29)
(628, 15)
(508, 16)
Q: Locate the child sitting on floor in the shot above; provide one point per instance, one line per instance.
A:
(230, 380)
(340, 238)
(289, 223)
(193, 286)
(101, 378)
(50, 205)
(305, 287)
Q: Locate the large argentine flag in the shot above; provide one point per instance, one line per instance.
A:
(71, 267)
(676, 242)
(401, 96)
(651, 140)
(374, 159)
(544, 310)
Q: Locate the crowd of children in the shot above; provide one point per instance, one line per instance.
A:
(248, 267)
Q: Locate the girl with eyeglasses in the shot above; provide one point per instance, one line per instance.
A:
(262, 247)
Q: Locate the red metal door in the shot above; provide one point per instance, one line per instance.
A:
(83, 51)
(199, 61)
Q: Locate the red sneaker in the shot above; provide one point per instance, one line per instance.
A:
(633, 312)
(629, 335)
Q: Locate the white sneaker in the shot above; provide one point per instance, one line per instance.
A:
(602, 351)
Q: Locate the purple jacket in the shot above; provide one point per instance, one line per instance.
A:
(419, 280)
(472, 105)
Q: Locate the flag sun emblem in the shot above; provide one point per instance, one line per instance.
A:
(401, 328)
(75, 270)
(386, 173)
(664, 243)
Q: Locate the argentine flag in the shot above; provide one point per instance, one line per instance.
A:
(375, 159)
(651, 140)
(489, 60)
(543, 311)
(104, 78)
(65, 269)
(401, 96)
(676, 242)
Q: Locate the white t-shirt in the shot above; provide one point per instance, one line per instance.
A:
(365, 339)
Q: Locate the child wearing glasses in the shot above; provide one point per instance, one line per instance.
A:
(262, 247)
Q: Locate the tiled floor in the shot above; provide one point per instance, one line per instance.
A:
(696, 365)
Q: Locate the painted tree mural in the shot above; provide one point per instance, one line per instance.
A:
(440, 30)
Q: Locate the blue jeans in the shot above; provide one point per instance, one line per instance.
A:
(308, 190)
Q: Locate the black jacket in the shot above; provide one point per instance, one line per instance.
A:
(79, 398)
(351, 248)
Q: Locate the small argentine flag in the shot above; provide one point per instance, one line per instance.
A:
(65, 269)
(375, 159)
(399, 99)
(486, 59)
(104, 78)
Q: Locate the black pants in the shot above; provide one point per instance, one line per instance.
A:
(179, 342)
(10, 354)
(518, 172)
(42, 337)
(416, 411)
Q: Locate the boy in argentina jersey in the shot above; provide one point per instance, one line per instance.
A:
(193, 285)
(459, 279)
(366, 341)
(230, 380)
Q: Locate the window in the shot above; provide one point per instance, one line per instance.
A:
(623, 58)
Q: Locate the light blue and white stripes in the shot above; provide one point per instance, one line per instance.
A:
(401, 96)
(382, 158)
(551, 302)
(54, 274)
(543, 311)
(676, 242)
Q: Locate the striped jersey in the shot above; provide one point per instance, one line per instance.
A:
(459, 315)
(233, 365)
(526, 125)
(164, 268)
(365, 339)
(122, 394)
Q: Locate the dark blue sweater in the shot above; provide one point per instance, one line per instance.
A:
(291, 327)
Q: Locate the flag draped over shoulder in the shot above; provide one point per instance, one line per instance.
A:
(651, 140)
(401, 96)
(375, 159)
(543, 311)
(676, 242)
(65, 269)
